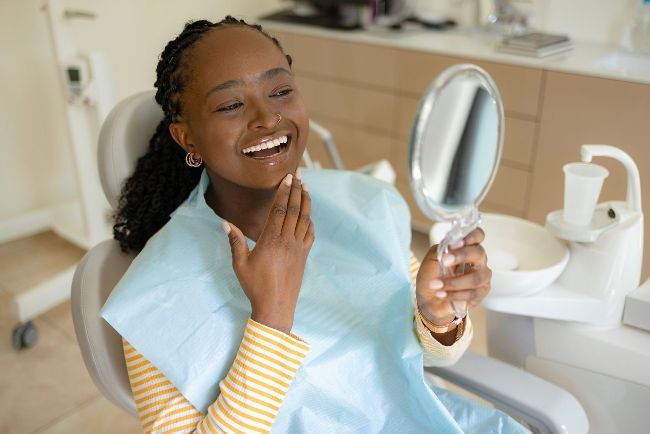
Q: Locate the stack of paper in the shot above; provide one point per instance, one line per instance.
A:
(536, 44)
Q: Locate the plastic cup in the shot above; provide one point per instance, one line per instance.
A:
(582, 184)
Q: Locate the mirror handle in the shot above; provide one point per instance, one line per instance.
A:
(460, 228)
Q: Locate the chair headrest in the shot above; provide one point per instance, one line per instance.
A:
(123, 138)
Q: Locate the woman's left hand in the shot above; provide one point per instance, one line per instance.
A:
(435, 293)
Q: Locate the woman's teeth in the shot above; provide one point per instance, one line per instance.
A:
(266, 145)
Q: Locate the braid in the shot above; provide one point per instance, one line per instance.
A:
(162, 180)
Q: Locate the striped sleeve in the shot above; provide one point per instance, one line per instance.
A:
(251, 393)
(435, 353)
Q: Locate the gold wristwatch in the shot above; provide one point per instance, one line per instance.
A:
(439, 329)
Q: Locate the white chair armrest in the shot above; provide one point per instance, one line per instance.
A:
(546, 407)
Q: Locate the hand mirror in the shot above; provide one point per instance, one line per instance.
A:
(454, 152)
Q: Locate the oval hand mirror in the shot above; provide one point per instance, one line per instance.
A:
(454, 152)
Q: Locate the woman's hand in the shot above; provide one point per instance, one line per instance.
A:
(271, 274)
(435, 293)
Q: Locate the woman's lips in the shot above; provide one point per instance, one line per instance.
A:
(268, 149)
(265, 144)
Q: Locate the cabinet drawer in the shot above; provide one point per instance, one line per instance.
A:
(500, 209)
(371, 109)
(347, 61)
(405, 108)
(509, 189)
(519, 86)
(519, 140)
(357, 147)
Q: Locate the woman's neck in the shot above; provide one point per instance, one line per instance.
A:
(244, 207)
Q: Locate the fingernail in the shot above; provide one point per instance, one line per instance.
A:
(298, 174)
(288, 179)
(436, 284)
(304, 186)
(226, 227)
(441, 294)
(457, 244)
(447, 259)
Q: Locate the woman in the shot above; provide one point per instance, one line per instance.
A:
(209, 306)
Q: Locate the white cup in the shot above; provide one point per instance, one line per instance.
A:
(582, 184)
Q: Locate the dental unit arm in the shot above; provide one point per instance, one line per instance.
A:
(633, 195)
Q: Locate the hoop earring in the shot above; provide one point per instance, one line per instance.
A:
(193, 161)
(279, 118)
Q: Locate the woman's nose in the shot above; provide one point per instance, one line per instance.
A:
(264, 118)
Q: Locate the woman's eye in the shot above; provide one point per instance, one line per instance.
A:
(230, 107)
(283, 92)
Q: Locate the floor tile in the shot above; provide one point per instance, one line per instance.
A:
(61, 318)
(7, 322)
(40, 384)
(29, 261)
(98, 416)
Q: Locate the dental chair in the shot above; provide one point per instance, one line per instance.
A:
(124, 137)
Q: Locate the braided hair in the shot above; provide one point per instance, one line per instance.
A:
(162, 180)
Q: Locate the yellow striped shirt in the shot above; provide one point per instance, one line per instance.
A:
(252, 392)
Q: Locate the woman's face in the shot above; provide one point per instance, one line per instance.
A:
(240, 94)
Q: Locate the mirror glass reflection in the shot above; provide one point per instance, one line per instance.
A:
(456, 142)
(461, 145)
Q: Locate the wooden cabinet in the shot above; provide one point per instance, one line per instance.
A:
(519, 86)
(367, 96)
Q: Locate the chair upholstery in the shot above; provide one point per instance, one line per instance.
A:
(101, 347)
(124, 137)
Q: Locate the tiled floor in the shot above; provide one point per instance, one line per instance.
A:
(46, 389)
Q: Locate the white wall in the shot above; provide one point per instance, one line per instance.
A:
(599, 21)
(35, 167)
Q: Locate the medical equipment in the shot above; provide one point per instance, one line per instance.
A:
(89, 94)
(124, 138)
(454, 151)
(574, 332)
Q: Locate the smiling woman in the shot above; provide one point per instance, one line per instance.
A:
(215, 110)
(209, 307)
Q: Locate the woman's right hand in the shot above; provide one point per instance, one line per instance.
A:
(271, 273)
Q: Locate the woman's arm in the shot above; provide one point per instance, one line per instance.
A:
(250, 396)
(445, 349)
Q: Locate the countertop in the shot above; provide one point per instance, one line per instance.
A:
(584, 58)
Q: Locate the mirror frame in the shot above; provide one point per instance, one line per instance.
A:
(424, 111)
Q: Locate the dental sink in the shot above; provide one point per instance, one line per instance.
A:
(524, 257)
(625, 62)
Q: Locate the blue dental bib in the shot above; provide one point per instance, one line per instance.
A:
(181, 306)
